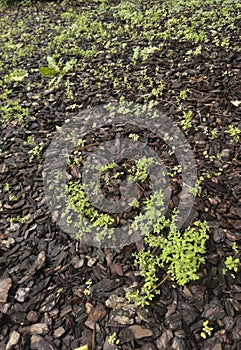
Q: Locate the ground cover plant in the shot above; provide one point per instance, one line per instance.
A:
(175, 288)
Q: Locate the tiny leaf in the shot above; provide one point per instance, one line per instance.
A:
(47, 72)
(52, 64)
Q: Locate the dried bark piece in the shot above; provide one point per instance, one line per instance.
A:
(39, 262)
(116, 269)
(121, 320)
(32, 316)
(78, 262)
(13, 340)
(37, 328)
(87, 337)
(38, 342)
(97, 314)
(163, 342)
(233, 236)
(59, 332)
(140, 332)
(217, 347)
(5, 285)
(91, 261)
(213, 312)
(105, 286)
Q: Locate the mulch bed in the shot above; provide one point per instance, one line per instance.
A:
(43, 270)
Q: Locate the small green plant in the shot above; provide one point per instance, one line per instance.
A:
(234, 132)
(135, 137)
(231, 263)
(214, 133)
(157, 92)
(184, 94)
(69, 92)
(35, 151)
(87, 290)
(59, 175)
(12, 111)
(89, 217)
(36, 148)
(17, 75)
(7, 187)
(139, 171)
(104, 168)
(197, 189)
(179, 253)
(30, 141)
(113, 339)
(56, 73)
(135, 203)
(206, 330)
(235, 248)
(136, 54)
(12, 197)
(177, 169)
(22, 220)
(186, 121)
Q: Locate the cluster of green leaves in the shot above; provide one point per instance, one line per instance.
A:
(152, 215)
(87, 290)
(113, 339)
(89, 217)
(17, 75)
(234, 132)
(186, 121)
(88, 35)
(231, 263)
(139, 171)
(179, 254)
(54, 69)
(104, 168)
(206, 330)
(13, 111)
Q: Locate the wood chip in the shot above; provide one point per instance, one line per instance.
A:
(5, 285)
(37, 328)
(140, 332)
(13, 340)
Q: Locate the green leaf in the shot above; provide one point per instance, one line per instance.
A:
(52, 64)
(47, 72)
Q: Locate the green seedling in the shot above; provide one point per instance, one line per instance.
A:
(186, 121)
(231, 263)
(179, 253)
(206, 330)
(234, 132)
(56, 73)
(113, 339)
(87, 290)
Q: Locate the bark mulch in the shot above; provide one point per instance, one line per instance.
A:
(43, 270)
